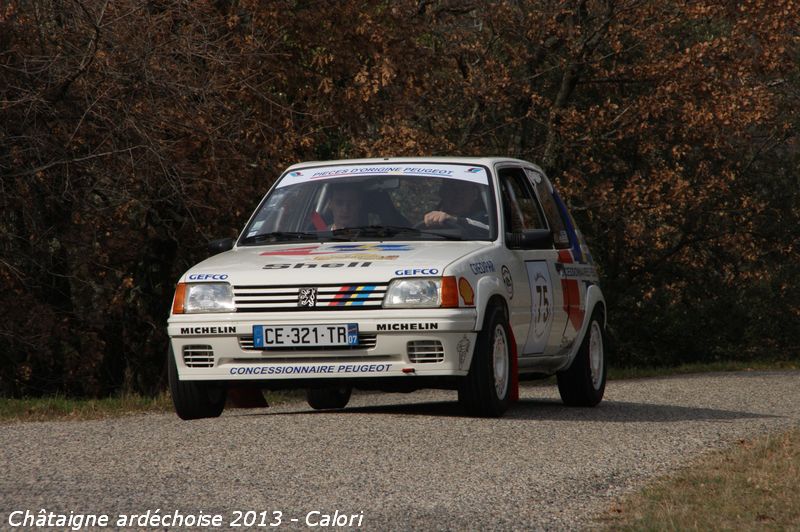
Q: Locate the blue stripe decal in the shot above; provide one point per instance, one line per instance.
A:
(362, 295)
(573, 237)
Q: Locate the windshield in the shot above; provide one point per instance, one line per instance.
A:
(369, 202)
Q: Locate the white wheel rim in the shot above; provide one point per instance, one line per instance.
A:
(596, 354)
(500, 361)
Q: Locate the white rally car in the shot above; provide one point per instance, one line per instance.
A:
(394, 274)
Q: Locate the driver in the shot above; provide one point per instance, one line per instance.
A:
(460, 205)
(346, 206)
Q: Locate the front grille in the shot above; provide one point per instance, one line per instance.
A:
(365, 341)
(425, 351)
(198, 356)
(268, 298)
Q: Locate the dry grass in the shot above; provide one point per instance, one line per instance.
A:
(754, 486)
(64, 408)
(60, 408)
(615, 373)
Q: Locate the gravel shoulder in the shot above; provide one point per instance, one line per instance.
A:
(405, 461)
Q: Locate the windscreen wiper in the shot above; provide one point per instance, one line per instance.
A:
(286, 236)
(389, 231)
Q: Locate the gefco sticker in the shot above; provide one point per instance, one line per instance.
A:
(207, 276)
(475, 174)
(416, 271)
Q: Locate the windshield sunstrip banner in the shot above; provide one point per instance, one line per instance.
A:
(474, 174)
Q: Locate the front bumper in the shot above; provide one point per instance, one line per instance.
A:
(218, 347)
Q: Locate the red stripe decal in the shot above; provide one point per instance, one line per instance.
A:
(572, 295)
(339, 298)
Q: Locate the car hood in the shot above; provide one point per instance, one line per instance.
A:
(330, 262)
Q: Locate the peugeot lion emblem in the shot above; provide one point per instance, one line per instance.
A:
(307, 297)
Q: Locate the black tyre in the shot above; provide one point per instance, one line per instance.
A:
(328, 398)
(485, 390)
(194, 399)
(584, 383)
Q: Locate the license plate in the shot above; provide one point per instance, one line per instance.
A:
(268, 336)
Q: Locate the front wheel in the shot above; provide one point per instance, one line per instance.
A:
(584, 383)
(485, 390)
(194, 399)
(328, 398)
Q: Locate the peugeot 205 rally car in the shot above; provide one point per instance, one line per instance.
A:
(394, 274)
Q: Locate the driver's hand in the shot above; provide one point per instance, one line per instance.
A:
(438, 218)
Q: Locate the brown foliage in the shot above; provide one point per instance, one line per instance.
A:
(131, 133)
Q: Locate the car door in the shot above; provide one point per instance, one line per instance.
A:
(572, 264)
(536, 302)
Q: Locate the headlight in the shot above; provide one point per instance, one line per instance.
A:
(413, 293)
(203, 297)
(423, 292)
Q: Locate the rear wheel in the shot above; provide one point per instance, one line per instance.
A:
(328, 398)
(485, 390)
(194, 399)
(584, 383)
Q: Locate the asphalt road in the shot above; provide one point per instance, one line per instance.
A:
(396, 461)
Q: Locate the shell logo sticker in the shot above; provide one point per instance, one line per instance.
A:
(466, 291)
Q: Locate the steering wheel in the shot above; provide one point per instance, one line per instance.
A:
(447, 224)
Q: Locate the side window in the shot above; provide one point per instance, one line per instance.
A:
(520, 209)
(551, 210)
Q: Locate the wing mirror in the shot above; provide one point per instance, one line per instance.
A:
(218, 246)
(530, 239)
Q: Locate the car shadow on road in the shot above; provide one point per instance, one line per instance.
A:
(443, 408)
(552, 410)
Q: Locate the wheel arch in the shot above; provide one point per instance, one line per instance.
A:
(480, 391)
(492, 300)
(594, 301)
(490, 291)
